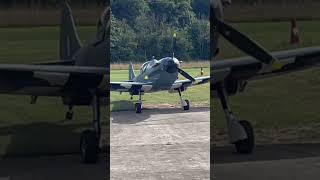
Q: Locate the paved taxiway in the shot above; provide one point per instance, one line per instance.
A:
(160, 144)
(276, 162)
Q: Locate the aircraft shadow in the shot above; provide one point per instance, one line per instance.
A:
(220, 155)
(130, 117)
(53, 167)
(122, 105)
(47, 151)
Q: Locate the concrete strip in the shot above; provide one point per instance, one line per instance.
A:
(161, 144)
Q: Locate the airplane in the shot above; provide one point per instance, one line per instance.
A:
(231, 76)
(158, 75)
(80, 77)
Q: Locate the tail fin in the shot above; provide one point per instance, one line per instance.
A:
(131, 72)
(69, 39)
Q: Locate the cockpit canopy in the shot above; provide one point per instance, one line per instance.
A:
(148, 64)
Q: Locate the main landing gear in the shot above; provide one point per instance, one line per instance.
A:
(138, 105)
(184, 103)
(241, 133)
(90, 139)
(69, 113)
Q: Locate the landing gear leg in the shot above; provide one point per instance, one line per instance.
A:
(138, 105)
(90, 139)
(69, 113)
(241, 133)
(184, 103)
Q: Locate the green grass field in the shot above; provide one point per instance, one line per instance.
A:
(279, 107)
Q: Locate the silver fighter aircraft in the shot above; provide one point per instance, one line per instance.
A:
(158, 75)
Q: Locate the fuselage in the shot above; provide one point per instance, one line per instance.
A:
(161, 74)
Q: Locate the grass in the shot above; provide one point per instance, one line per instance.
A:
(273, 36)
(273, 11)
(185, 64)
(25, 17)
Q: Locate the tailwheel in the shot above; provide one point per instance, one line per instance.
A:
(89, 147)
(246, 146)
(186, 107)
(138, 107)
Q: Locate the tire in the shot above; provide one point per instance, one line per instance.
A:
(246, 146)
(69, 116)
(187, 107)
(138, 108)
(89, 147)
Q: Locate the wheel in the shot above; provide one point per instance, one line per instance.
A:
(69, 115)
(89, 147)
(138, 107)
(186, 107)
(246, 146)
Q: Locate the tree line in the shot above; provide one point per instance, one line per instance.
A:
(141, 29)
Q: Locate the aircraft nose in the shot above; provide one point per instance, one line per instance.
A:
(171, 67)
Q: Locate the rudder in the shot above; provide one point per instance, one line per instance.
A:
(69, 38)
(131, 72)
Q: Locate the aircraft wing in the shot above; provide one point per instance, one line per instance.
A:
(129, 86)
(49, 80)
(53, 69)
(247, 68)
(186, 83)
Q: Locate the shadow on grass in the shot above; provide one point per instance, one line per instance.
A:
(48, 151)
(130, 117)
(122, 105)
(220, 155)
(42, 138)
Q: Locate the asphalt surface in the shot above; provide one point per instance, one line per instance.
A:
(276, 162)
(160, 144)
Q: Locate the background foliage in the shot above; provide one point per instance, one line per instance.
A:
(143, 28)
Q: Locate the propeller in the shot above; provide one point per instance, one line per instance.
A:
(182, 72)
(186, 75)
(243, 42)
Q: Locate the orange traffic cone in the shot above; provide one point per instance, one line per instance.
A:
(295, 38)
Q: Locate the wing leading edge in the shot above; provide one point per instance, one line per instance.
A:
(248, 68)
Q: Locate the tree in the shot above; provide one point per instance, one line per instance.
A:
(122, 42)
(176, 13)
(129, 9)
(201, 8)
(200, 33)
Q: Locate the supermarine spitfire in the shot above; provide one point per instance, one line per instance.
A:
(229, 77)
(158, 75)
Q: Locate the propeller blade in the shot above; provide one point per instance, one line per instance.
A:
(246, 45)
(186, 75)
